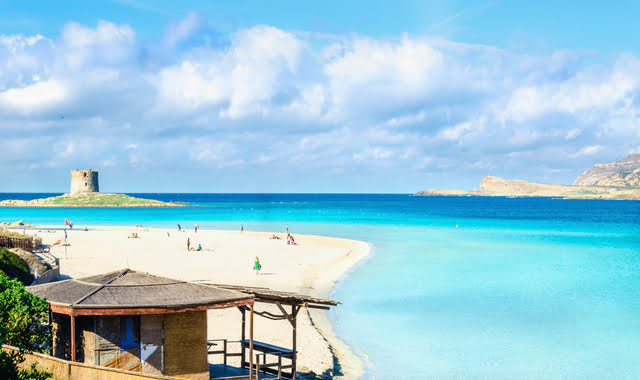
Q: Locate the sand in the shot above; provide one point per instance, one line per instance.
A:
(312, 267)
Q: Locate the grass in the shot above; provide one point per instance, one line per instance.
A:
(102, 200)
(90, 200)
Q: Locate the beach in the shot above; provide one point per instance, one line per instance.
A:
(552, 280)
(311, 267)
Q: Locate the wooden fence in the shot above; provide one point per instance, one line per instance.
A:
(25, 242)
(68, 370)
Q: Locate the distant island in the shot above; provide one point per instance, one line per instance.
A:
(85, 192)
(614, 180)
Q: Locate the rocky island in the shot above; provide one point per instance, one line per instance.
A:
(614, 180)
(85, 192)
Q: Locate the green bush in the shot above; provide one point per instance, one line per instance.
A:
(13, 266)
(23, 324)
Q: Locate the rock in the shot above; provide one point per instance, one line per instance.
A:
(625, 179)
(603, 173)
(17, 224)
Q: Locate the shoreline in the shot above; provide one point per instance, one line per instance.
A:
(314, 267)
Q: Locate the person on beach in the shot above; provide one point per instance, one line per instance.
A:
(257, 265)
(241, 228)
(199, 247)
(179, 227)
(188, 244)
(287, 229)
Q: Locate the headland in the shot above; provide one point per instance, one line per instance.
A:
(498, 187)
(613, 180)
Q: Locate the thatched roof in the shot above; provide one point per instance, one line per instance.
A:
(131, 289)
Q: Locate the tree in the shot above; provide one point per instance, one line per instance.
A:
(23, 324)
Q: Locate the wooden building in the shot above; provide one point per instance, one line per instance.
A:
(136, 321)
(139, 322)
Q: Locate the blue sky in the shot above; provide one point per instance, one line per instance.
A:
(333, 96)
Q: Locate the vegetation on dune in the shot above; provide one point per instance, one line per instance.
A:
(13, 234)
(13, 266)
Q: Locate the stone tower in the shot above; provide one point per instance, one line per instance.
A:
(84, 181)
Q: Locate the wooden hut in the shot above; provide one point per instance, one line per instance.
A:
(136, 321)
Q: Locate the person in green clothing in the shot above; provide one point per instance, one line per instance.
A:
(257, 265)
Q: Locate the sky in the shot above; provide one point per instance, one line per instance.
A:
(331, 96)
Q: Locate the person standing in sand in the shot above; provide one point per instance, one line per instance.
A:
(287, 229)
(257, 265)
(188, 244)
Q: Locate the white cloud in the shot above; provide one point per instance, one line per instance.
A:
(585, 92)
(269, 98)
(588, 151)
(107, 44)
(30, 99)
(177, 32)
(572, 133)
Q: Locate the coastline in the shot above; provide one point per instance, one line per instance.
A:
(313, 267)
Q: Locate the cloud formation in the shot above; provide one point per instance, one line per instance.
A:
(267, 109)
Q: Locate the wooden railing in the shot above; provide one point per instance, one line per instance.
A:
(268, 351)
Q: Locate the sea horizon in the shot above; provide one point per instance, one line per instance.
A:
(464, 286)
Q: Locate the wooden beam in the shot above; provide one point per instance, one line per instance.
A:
(243, 333)
(285, 312)
(73, 337)
(295, 354)
(318, 307)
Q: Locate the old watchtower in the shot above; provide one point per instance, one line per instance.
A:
(84, 181)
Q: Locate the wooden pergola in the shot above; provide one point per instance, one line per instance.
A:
(283, 301)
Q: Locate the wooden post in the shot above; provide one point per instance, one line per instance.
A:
(51, 330)
(73, 337)
(295, 354)
(279, 367)
(258, 367)
(242, 360)
(251, 343)
(225, 353)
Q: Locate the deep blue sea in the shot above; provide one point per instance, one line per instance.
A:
(524, 288)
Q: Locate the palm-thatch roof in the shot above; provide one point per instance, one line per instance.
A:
(129, 289)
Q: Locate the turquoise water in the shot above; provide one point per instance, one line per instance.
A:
(524, 288)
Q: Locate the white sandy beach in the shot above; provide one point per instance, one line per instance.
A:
(312, 267)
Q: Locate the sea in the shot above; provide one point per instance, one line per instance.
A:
(455, 287)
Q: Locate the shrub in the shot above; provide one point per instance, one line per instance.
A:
(13, 266)
(23, 324)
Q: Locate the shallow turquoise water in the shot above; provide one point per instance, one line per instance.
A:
(524, 288)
